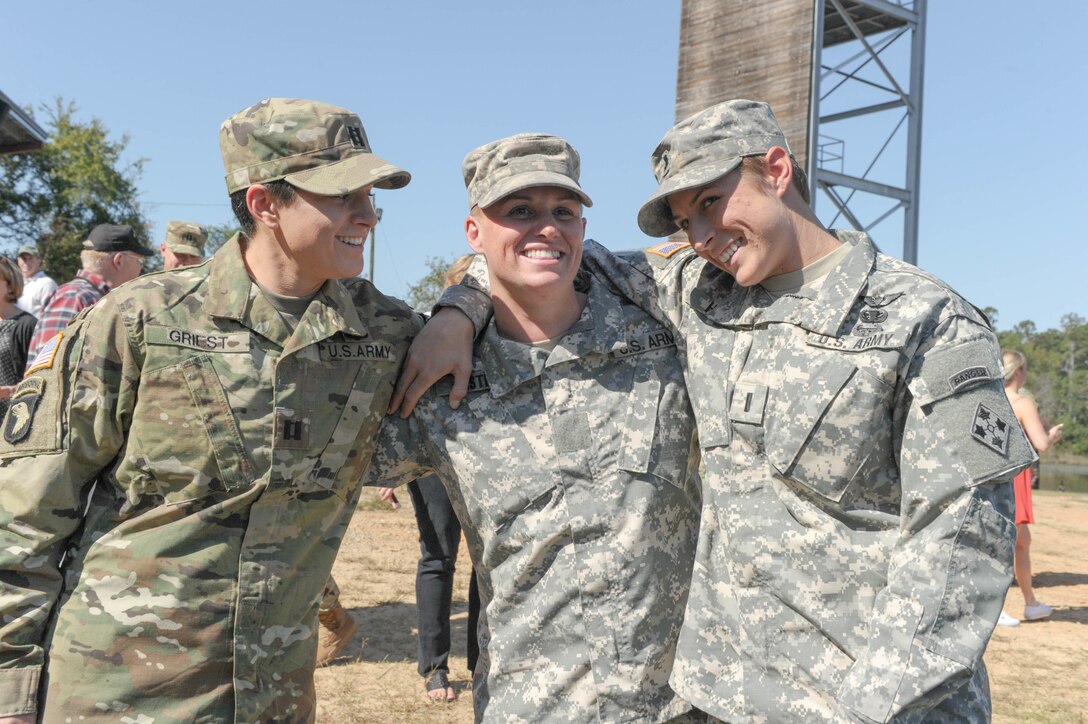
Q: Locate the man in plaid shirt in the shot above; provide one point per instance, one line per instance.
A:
(111, 256)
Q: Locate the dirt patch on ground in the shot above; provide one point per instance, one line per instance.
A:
(1038, 671)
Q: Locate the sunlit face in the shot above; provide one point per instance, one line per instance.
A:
(739, 224)
(532, 240)
(323, 236)
(29, 265)
(173, 260)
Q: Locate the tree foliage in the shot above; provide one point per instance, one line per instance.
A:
(423, 294)
(54, 197)
(1057, 375)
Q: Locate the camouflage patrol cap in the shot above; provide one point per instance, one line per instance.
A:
(522, 161)
(313, 146)
(185, 238)
(705, 147)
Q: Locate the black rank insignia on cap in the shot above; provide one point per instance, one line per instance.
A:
(356, 136)
(990, 430)
(24, 403)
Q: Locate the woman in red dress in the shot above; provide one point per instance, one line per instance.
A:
(1027, 414)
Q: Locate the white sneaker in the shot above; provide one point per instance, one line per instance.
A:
(1007, 620)
(1038, 611)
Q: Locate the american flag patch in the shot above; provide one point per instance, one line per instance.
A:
(667, 248)
(44, 360)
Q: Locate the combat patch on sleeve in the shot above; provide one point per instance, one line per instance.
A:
(44, 360)
(667, 248)
(990, 430)
(24, 403)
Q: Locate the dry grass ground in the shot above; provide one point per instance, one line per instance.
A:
(1038, 671)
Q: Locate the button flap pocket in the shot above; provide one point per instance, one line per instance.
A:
(787, 435)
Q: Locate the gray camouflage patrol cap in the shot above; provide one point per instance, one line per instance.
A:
(705, 147)
(185, 238)
(498, 169)
(313, 146)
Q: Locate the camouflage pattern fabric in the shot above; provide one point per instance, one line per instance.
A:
(856, 536)
(525, 160)
(175, 490)
(314, 146)
(574, 474)
(185, 238)
(704, 147)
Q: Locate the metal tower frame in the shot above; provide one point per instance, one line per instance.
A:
(858, 69)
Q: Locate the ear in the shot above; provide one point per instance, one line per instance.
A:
(262, 207)
(779, 169)
(118, 260)
(473, 233)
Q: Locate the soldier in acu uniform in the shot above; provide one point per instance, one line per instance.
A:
(856, 536)
(177, 472)
(571, 463)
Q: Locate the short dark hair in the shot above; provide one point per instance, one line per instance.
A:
(279, 189)
(755, 164)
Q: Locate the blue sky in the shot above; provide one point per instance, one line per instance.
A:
(1002, 161)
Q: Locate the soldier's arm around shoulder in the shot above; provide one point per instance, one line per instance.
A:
(66, 423)
(653, 278)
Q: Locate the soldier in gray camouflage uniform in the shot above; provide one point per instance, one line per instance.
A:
(857, 530)
(571, 464)
(178, 471)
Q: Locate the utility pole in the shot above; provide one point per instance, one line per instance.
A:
(373, 238)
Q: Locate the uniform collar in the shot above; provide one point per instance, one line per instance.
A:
(719, 298)
(600, 328)
(233, 295)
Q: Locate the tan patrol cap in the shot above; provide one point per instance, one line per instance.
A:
(185, 238)
(313, 146)
(498, 169)
(704, 147)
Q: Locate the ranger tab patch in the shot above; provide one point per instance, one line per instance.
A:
(990, 430)
(667, 248)
(24, 403)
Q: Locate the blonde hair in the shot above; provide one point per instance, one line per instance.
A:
(1011, 361)
(13, 277)
(458, 268)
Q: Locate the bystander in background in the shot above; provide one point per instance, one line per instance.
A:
(1027, 414)
(16, 328)
(38, 287)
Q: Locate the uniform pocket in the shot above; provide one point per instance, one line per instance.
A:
(658, 432)
(184, 442)
(839, 419)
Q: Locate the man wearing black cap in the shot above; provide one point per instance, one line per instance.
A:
(111, 256)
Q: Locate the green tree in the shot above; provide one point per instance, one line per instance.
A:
(219, 234)
(1057, 375)
(56, 196)
(423, 294)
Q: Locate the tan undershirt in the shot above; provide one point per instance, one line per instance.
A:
(808, 277)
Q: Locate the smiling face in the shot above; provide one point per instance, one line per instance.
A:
(321, 237)
(739, 223)
(532, 240)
